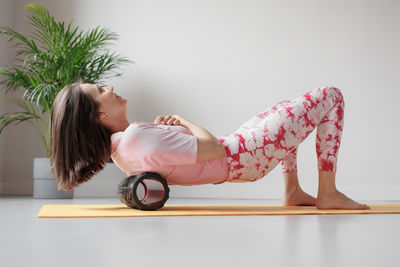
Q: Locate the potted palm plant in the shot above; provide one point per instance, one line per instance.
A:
(54, 55)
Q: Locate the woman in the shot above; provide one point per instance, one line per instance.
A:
(89, 125)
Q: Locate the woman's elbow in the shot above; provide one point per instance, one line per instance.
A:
(222, 150)
(210, 150)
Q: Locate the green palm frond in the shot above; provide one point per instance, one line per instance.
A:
(18, 117)
(53, 56)
(6, 119)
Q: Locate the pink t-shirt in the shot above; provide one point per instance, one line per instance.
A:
(170, 150)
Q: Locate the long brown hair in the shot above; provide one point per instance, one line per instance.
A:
(80, 145)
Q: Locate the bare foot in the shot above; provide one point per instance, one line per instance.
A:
(338, 200)
(298, 197)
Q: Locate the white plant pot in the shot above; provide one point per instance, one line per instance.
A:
(44, 182)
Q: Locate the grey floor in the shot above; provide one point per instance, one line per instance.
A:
(257, 240)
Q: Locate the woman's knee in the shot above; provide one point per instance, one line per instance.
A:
(337, 92)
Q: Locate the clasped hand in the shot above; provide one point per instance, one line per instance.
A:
(169, 120)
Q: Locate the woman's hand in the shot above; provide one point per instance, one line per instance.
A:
(208, 146)
(169, 120)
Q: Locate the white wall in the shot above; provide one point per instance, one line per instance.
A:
(218, 63)
(7, 18)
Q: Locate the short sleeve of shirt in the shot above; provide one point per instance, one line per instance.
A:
(154, 146)
(170, 148)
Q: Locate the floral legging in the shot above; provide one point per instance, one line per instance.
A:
(273, 135)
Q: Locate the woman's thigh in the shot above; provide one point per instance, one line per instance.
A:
(264, 140)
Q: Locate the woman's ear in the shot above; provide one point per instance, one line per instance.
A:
(102, 115)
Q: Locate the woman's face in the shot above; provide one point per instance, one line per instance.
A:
(112, 106)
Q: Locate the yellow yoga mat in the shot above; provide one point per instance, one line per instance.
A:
(72, 211)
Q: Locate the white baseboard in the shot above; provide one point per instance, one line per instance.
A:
(275, 191)
(104, 185)
(108, 189)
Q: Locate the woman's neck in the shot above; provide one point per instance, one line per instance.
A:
(120, 127)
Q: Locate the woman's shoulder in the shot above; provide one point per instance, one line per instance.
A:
(134, 131)
(116, 138)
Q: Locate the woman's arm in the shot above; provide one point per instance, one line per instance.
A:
(208, 146)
